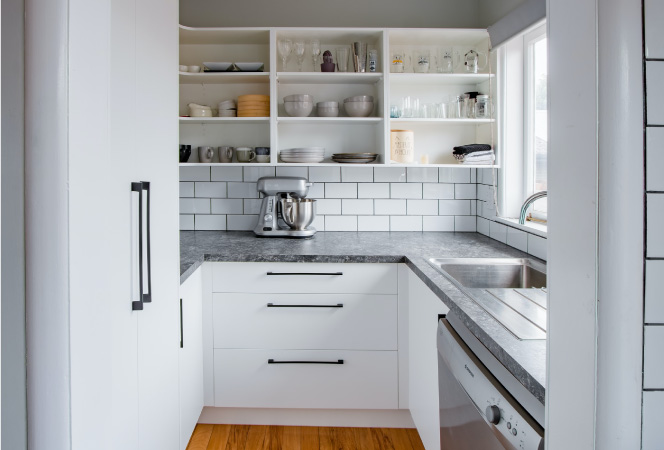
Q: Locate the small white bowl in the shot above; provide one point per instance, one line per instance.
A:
(299, 98)
(359, 109)
(218, 66)
(193, 69)
(249, 66)
(328, 111)
(359, 98)
(299, 109)
(183, 68)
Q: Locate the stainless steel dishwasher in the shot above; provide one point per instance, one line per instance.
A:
(476, 410)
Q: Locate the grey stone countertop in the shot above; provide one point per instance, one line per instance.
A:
(526, 360)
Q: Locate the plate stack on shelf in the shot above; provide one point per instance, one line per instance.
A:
(354, 158)
(303, 155)
(253, 106)
(227, 108)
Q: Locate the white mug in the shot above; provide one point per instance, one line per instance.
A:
(263, 158)
(184, 69)
(245, 154)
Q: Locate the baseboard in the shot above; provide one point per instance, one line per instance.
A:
(383, 418)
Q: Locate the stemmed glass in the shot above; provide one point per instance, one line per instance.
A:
(315, 51)
(298, 48)
(284, 47)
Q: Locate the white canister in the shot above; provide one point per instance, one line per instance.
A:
(402, 146)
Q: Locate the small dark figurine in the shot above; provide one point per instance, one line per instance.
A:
(328, 63)
(185, 153)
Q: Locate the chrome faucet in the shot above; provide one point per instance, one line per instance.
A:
(529, 201)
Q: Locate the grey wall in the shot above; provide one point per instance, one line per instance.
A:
(490, 11)
(14, 422)
(335, 13)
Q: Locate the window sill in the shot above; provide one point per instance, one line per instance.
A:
(529, 227)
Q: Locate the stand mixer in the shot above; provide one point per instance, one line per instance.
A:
(285, 212)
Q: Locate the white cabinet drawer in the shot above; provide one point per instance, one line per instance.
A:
(365, 380)
(305, 278)
(305, 321)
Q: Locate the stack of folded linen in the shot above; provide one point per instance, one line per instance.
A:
(474, 154)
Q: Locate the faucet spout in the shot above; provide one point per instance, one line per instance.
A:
(529, 201)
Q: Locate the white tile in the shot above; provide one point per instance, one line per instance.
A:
(465, 191)
(373, 223)
(653, 363)
(389, 174)
(242, 223)
(498, 231)
(406, 223)
(473, 207)
(242, 190)
(653, 420)
(655, 158)
(340, 223)
(390, 207)
(356, 174)
(454, 207)
(438, 223)
(373, 190)
(537, 246)
(252, 205)
(319, 223)
(194, 206)
(227, 173)
(186, 189)
(478, 208)
(325, 174)
(655, 89)
(317, 190)
(357, 207)
(340, 190)
(210, 222)
(437, 190)
(485, 193)
(488, 210)
(473, 175)
(227, 206)
(186, 221)
(483, 226)
(422, 175)
(406, 190)
(215, 189)
(293, 172)
(422, 207)
(654, 292)
(654, 28)
(454, 175)
(517, 239)
(195, 173)
(254, 173)
(328, 206)
(485, 176)
(655, 225)
(465, 223)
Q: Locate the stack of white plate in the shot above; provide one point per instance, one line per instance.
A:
(303, 155)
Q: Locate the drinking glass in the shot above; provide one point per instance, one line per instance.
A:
(298, 49)
(315, 51)
(342, 59)
(447, 59)
(284, 47)
(421, 60)
(410, 107)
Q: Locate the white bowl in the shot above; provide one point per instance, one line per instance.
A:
(218, 66)
(196, 110)
(299, 109)
(249, 66)
(328, 111)
(359, 109)
(299, 98)
(359, 98)
(193, 69)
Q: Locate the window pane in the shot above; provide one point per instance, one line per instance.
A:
(540, 119)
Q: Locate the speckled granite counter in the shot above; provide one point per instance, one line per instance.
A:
(526, 360)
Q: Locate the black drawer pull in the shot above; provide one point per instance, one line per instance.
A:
(272, 305)
(272, 361)
(306, 273)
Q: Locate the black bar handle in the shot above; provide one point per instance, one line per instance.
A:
(306, 273)
(272, 361)
(147, 298)
(181, 327)
(138, 305)
(272, 305)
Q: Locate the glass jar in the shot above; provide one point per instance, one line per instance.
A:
(483, 108)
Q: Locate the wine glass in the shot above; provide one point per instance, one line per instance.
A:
(298, 49)
(284, 47)
(315, 51)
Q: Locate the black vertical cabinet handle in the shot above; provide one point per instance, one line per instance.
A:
(137, 305)
(181, 327)
(147, 298)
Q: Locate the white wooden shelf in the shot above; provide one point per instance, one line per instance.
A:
(224, 120)
(224, 77)
(333, 164)
(329, 77)
(442, 79)
(331, 120)
(444, 121)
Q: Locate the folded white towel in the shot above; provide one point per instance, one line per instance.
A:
(485, 159)
(478, 155)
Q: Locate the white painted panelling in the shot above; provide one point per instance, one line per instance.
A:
(465, 223)
(406, 190)
(422, 207)
(655, 103)
(242, 223)
(328, 206)
(254, 173)
(655, 224)
(498, 231)
(357, 207)
(483, 226)
(226, 173)
(242, 190)
(356, 174)
(453, 175)
(227, 206)
(389, 174)
(194, 206)
(210, 190)
(406, 223)
(341, 190)
(317, 190)
(373, 223)
(186, 221)
(537, 246)
(655, 158)
(438, 223)
(654, 28)
(654, 292)
(437, 190)
(325, 174)
(653, 420)
(422, 174)
(194, 174)
(465, 191)
(186, 189)
(517, 239)
(252, 205)
(390, 207)
(454, 207)
(653, 363)
(293, 172)
(340, 223)
(210, 222)
(373, 190)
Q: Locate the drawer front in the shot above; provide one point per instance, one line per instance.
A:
(305, 321)
(305, 278)
(365, 380)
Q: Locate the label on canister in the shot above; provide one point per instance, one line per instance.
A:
(402, 146)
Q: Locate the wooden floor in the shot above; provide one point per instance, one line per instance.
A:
(264, 437)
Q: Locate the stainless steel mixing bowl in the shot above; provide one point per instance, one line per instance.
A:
(298, 213)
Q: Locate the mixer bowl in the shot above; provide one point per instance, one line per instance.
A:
(298, 213)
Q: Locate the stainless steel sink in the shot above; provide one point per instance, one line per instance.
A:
(512, 290)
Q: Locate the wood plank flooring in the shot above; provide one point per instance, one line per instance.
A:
(268, 437)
